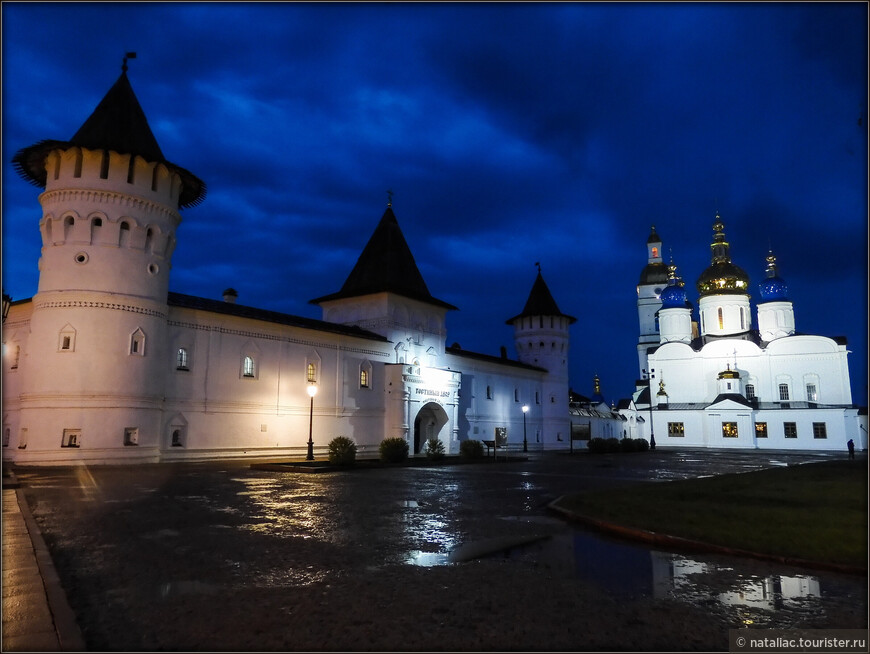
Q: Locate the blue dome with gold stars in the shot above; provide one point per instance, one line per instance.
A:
(773, 288)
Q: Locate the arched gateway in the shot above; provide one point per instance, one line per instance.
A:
(428, 424)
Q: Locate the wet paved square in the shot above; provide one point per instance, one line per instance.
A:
(217, 556)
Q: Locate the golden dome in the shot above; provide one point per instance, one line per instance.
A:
(722, 277)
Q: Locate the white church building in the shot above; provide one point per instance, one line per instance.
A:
(104, 364)
(720, 382)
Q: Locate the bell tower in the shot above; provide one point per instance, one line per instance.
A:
(95, 371)
(653, 279)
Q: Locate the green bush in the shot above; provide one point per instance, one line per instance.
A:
(603, 445)
(626, 445)
(641, 445)
(434, 449)
(471, 449)
(393, 450)
(342, 451)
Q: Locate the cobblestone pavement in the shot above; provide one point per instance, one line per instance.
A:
(219, 557)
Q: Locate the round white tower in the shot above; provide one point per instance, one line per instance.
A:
(724, 302)
(775, 310)
(675, 316)
(96, 355)
(542, 339)
(653, 279)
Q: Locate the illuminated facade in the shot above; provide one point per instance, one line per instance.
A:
(723, 383)
(104, 364)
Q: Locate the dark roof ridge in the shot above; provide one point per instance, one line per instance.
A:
(119, 124)
(386, 265)
(242, 311)
(540, 303)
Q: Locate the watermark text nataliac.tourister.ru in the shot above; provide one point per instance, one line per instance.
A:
(798, 640)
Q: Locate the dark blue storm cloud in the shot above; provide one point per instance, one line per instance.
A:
(510, 133)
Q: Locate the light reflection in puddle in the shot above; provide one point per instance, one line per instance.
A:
(427, 559)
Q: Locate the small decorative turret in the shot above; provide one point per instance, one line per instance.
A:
(675, 316)
(775, 310)
(729, 382)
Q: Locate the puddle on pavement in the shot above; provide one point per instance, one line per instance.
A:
(627, 570)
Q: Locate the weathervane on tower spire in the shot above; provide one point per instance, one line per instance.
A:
(129, 55)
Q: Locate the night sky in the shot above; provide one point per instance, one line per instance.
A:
(510, 134)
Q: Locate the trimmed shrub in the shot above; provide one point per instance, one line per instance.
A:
(342, 451)
(627, 445)
(393, 450)
(471, 449)
(434, 449)
(641, 445)
(603, 445)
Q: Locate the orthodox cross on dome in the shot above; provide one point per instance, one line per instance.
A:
(129, 55)
(389, 198)
(538, 264)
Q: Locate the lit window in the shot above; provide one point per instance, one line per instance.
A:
(676, 429)
(783, 391)
(16, 353)
(311, 373)
(181, 359)
(820, 430)
(364, 378)
(655, 253)
(729, 430)
(761, 430)
(248, 367)
(812, 394)
(790, 429)
(721, 318)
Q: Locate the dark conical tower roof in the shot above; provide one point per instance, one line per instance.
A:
(386, 265)
(541, 302)
(118, 124)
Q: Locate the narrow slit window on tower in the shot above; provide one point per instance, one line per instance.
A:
(104, 165)
(131, 169)
(363, 378)
(137, 343)
(154, 178)
(721, 318)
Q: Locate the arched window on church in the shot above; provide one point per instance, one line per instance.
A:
(182, 359)
(248, 367)
(311, 373)
(721, 318)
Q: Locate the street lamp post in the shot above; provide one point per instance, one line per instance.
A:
(525, 442)
(652, 435)
(312, 391)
